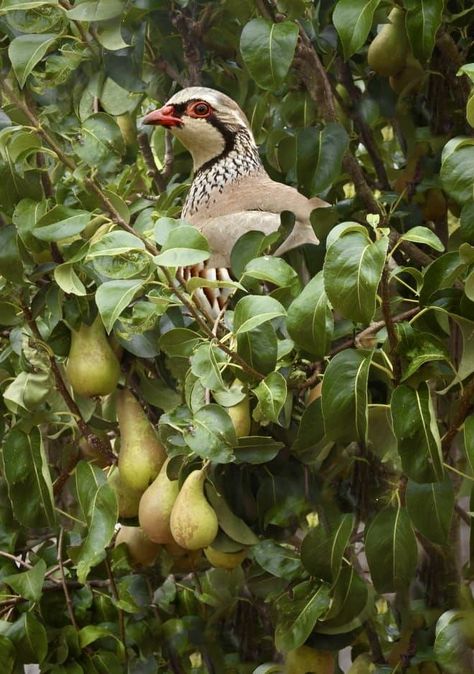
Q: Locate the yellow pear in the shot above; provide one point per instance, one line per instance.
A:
(128, 499)
(224, 560)
(92, 368)
(193, 521)
(155, 507)
(388, 51)
(141, 550)
(306, 660)
(410, 79)
(141, 453)
(240, 415)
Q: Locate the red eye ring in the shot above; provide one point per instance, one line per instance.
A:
(200, 109)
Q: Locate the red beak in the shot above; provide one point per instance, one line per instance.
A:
(164, 116)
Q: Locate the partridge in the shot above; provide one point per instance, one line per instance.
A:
(231, 192)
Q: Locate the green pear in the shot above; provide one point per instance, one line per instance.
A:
(225, 560)
(141, 453)
(388, 51)
(193, 522)
(92, 367)
(128, 499)
(155, 507)
(141, 550)
(304, 660)
(240, 415)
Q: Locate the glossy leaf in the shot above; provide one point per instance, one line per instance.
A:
(271, 395)
(28, 584)
(430, 507)
(352, 271)
(113, 297)
(353, 21)
(416, 429)
(253, 310)
(310, 321)
(25, 52)
(27, 474)
(344, 396)
(212, 434)
(390, 546)
(423, 19)
(323, 547)
(267, 50)
(183, 246)
(298, 614)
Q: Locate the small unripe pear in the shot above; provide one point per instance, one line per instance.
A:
(240, 415)
(141, 550)
(141, 453)
(156, 505)
(128, 499)
(224, 560)
(193, 522)
(410, 79)
(388, 51)
(306, 660)
(92, 368)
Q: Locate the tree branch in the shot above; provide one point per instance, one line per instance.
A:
(152, 169)
(390, 325)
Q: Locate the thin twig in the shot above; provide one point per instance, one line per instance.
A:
(315, 367)
(67, 596)
(465, 405)
(152, 169)
(116, 596)
(389, 324)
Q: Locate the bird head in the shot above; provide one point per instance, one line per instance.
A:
(205, 121)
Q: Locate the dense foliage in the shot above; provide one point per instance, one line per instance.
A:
(349, 490)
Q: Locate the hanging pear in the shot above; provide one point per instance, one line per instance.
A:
(92, 368)
(141, 550)
(225, 560)
(128, 499)
(155, 507)
(141, 453)
(193, 521)
(240, 415)
(388, 51)
(306, 660)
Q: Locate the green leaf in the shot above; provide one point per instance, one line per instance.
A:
(13, 5)
(67, 279)
(309, 441)
(7, 654)
(115, 243)
(323, 548)
(28, 584)
(416, 429)
(28, 390)
(344, 396)
(310, 321)
(25, 51)
(101, 144)
(441, 273)
(352, 603)
(457, 168)
(469, 440)
(453, 643)
(96, 10)
(352, 271)
(184, 246)
(60, 223)
(112, 297)
(279, 560)
(11, 266)
(256, 449)
(423, 19)
(212, 434)
(179, 342)
(253, 310)
(425, 236)
(298, 614)
(207, 362)
(29, 638)
(259, 348)
(267, 50)
(390, 547)
(230, 524)
(27, 474)
(271, 395)
(273, 270)
(99, 507)
(431, 508)
(353, 21)
(333, 142)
